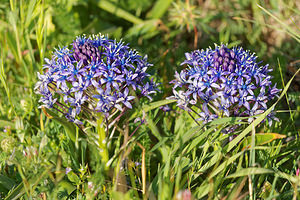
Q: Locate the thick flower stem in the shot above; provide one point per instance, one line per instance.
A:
(102, 141)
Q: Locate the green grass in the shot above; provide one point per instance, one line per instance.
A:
(175, 154)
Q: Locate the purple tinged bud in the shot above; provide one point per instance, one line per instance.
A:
(216, 65)
(222, 51)
(220, 60)
(230, 68)
(226, 60)
(225, 66)
(216, 56)
(232, 54)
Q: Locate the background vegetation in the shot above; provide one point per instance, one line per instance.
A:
(169, 157)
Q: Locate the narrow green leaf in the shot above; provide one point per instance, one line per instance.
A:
(292, 179)
(4, 123)
(11, 42)
(111, 8)
(225, 164)
(19, 191)
(29, 12)
(262, 138)
(250, 171)
(12, 18)
(157, 104)
(197, 140)
(70, 128)
(16, 192)
(182, 139)
(287, 28)
(43, 143)
(159, 9)
(151, 106)
(202, 190)
(159, 144)
(12, 4)
(3, 82)
(153, 128)
(147, 29)
(212, 161)
(231, 120)
(6, 182)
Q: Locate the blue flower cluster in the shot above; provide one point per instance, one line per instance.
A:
(223, 82)
(95, 74)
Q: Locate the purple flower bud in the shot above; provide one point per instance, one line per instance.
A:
(222, 52)
(232, 54)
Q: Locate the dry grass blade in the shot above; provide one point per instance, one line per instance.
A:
(143, 168)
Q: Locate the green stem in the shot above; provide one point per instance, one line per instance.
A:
(102, 140)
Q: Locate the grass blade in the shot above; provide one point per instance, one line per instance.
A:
(157, 104)
(159, 9)
(250, 171)
(111, 8)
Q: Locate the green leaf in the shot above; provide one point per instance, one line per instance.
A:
(151, 106)
(6, 182)
(67, 186)
(196, 136)
(250, 171)
(202, 190)
(159, 144)
(182, 139)
(29, 12)
(212, 161)
(115, 195)
(70, 128)
(225, 164)
(147, 29)
(261, 139)
(14, 43)
(73, 178)
(19, 191)
(159, 9)
(287, 27)
(157, 104)
(231, 120)
(153, 128)
(291, 178)
(43, 143)
(3, 81)
(4, 123)
(111, 8)
(16, 192)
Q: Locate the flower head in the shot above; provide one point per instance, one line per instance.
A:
(223, 82)
(95, 74)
